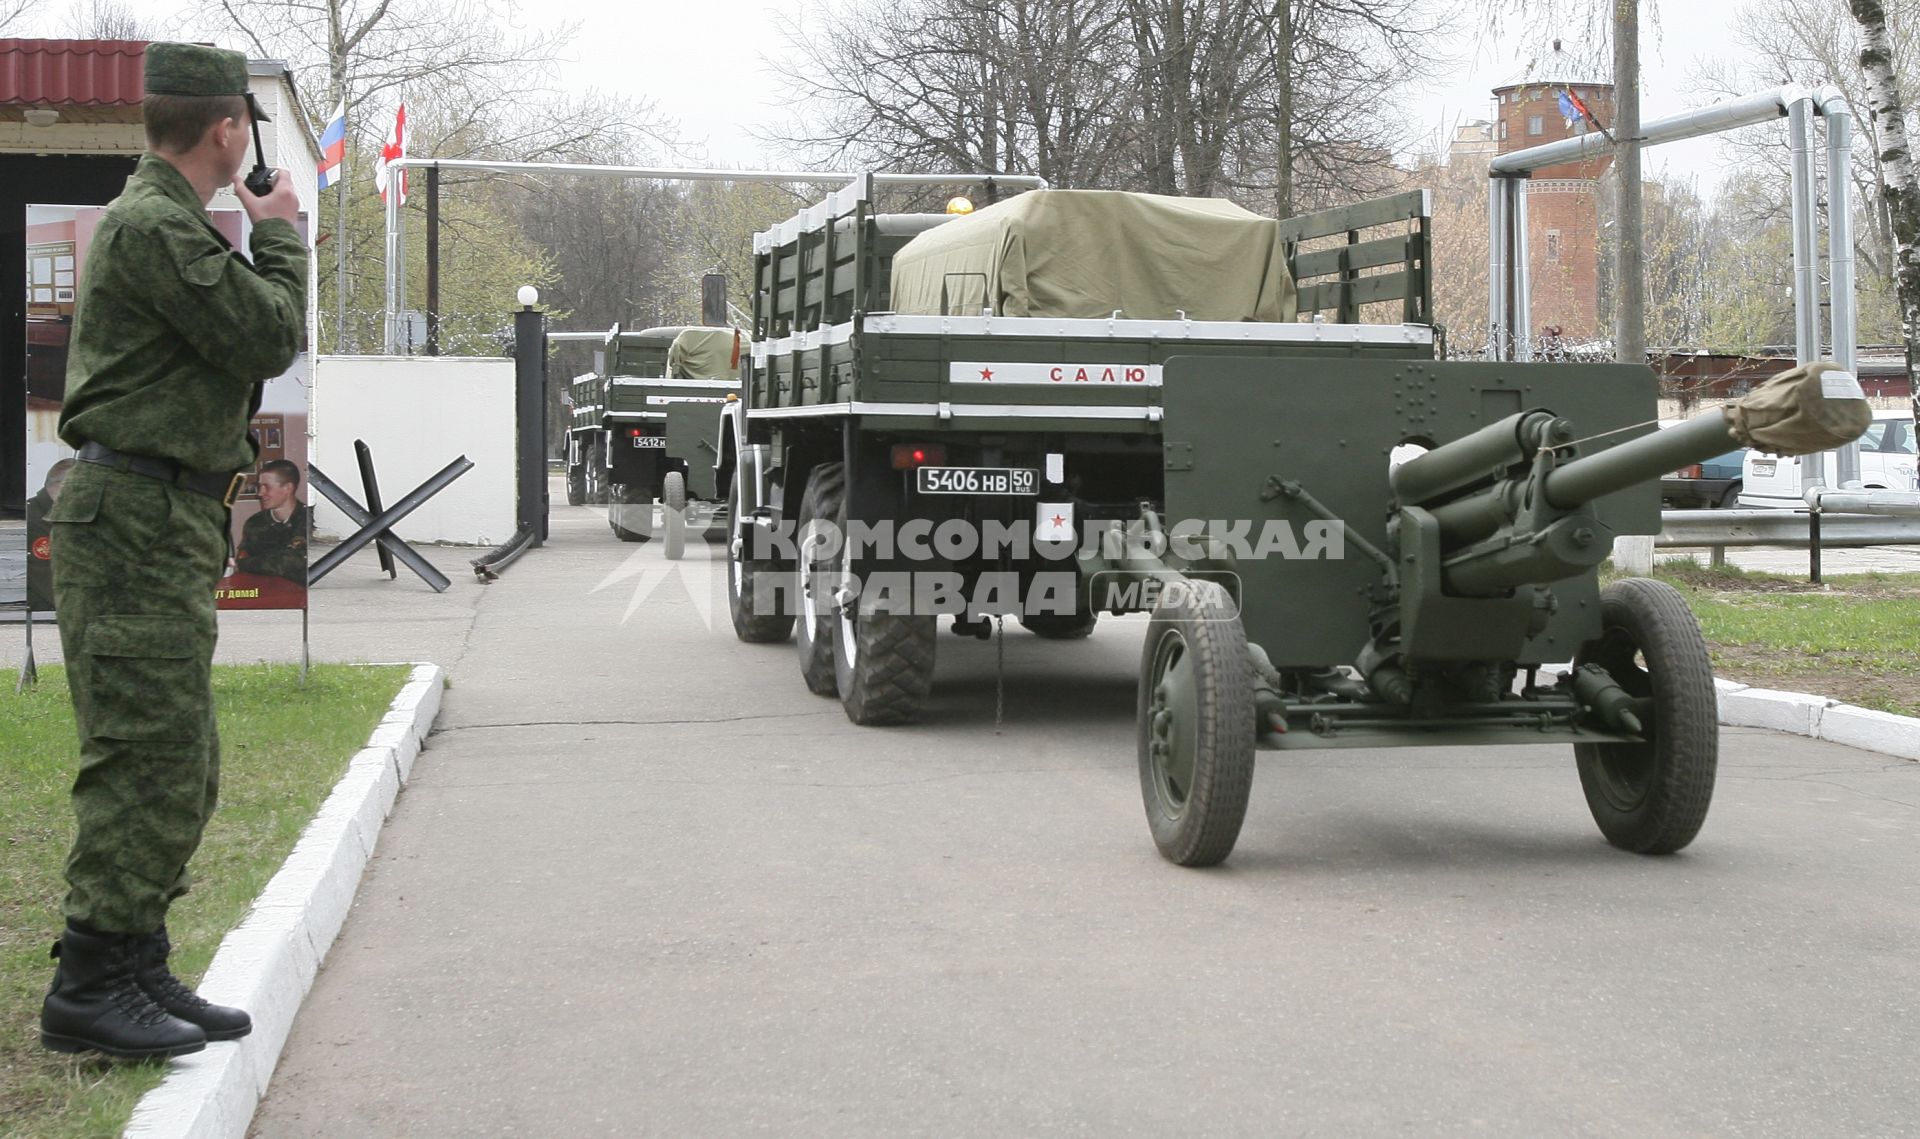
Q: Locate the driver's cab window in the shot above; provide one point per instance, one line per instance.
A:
(1898, 439)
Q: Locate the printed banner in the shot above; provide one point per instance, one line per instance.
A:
(267, 567)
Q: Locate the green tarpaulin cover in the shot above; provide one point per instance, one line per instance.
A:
(704, 354)
(1086, 253)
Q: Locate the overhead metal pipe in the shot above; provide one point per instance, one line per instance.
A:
(1522, 315)
(1741, 112)
(1804, 223)
(395, 220)
(1843, 310)
(1496, 270)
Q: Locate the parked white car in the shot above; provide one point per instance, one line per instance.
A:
(1887, 460)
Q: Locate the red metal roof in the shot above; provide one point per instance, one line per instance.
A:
(96, 73)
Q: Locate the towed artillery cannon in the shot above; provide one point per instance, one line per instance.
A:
(1312, 594)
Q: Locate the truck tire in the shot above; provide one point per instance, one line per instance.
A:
(749, 624)
(823, 504)
(673, 501)
(1652, 797)
(596, 474)
(883, 665)
(576, 484)
(630, 513)
(1195, 724)
(1731, 498)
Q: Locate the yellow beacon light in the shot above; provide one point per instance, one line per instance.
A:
(959, 205)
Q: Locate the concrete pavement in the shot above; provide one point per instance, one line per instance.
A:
(644, 883)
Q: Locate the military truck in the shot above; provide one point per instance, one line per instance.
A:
(933, 368)
(620, 450)
(1141, 385)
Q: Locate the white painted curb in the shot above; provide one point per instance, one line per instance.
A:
(267, 963)
(1816, 717)
(1819, 717)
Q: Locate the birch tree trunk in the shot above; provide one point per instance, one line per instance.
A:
(1896, 159)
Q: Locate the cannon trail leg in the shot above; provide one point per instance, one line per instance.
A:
(1195, 723)
(1652, 797)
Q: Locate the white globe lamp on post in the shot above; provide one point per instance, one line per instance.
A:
(529, 296)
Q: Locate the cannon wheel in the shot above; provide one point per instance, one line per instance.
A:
(1195, 724)
(823, 502)
(749, 625)
(673, 496)
(1652, 797)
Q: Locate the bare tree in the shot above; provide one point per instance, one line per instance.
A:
(1817, 42)
(108, 20)
(473, 85)
(12, 10)
(1031, 86)
(1171, 96)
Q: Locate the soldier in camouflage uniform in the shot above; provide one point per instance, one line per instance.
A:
(175, 333)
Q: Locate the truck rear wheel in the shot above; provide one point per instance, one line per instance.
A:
(883, 665)
(577, 484)
(673, 500)
(1652, 797)
(1195, 724)
(822, 509)
(595, 475)
(743, 576)
(630, 513)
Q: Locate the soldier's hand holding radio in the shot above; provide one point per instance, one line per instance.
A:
(278, 202)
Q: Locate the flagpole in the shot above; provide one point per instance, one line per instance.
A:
(340, 336)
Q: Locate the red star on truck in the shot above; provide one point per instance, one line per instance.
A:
(986, 373)
(1059, 520)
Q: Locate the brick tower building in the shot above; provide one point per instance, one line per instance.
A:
(1563, 202)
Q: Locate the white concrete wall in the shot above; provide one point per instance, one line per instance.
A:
(418, 413)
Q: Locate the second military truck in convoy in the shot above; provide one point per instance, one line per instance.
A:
(644, 427)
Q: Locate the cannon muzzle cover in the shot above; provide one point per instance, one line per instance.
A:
(1815, 407)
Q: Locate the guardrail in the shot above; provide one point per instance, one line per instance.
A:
(1876, 518)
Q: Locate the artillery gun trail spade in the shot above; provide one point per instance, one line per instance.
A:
(1459, 574)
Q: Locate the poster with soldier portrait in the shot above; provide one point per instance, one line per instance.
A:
(267, 559)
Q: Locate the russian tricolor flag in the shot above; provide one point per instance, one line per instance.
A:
(333, 147)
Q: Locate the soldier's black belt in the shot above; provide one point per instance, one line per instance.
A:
(224, 487)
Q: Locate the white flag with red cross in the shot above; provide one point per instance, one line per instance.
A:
(394, 149)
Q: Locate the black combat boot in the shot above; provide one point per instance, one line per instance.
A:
(96, 1003)
(218, 1021)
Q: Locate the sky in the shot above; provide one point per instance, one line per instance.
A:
(676, 69)
(702, 64)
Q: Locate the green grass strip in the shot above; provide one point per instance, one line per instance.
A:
(1855, 637)
(283, 747)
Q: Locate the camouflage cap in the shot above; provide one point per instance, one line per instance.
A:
(195, 69)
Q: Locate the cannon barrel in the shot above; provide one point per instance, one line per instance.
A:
(1467, 520)
(1478, 456)
(1640, 460)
